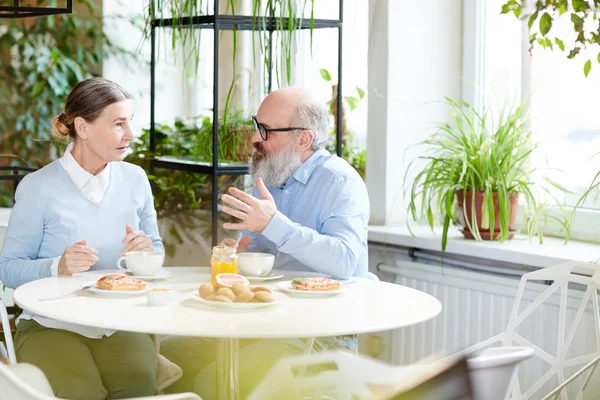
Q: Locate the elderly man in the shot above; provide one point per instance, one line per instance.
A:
(309, 208)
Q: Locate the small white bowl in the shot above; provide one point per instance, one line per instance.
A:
(255, 264)
(159, 296)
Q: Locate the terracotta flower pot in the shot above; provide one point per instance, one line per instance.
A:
(485, 233)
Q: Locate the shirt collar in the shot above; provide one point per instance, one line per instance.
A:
(308, 166)
(79, 175)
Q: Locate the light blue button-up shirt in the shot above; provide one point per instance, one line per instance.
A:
(321, 222)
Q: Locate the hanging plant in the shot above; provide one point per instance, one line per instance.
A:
(287, 15)
(584, 15)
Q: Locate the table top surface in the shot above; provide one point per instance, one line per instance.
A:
(363, 306)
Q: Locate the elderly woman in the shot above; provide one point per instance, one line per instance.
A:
(79, 213)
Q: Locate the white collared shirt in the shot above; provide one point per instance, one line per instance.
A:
(93, 188)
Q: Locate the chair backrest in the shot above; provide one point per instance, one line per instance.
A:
(7, 333)
(343, 375)
(450, 383)
(494, 371)
(24, 382)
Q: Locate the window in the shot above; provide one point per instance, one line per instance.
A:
(563, 102)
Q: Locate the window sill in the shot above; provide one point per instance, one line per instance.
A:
(519, 250)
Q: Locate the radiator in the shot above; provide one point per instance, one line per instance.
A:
(477, 306)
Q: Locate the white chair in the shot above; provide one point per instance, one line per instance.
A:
(27, 382)
(7, 333)
(494, 371)
(588, 276)
(343, 375)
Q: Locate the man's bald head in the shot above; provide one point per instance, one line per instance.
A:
(300, 108)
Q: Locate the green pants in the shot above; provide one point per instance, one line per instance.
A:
(119, 366)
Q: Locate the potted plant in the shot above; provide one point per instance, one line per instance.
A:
(479, 167)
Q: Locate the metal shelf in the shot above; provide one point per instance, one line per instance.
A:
(218, 22)
(202, 167)
(244, 23)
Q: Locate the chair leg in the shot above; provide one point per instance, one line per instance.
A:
(7, 334)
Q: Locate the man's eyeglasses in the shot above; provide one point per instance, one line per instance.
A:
(264, 130)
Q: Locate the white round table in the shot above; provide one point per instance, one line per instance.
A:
(365, 306)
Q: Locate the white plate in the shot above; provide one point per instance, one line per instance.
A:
(271, 276)
(286, 286)
(155, 277)
(279, 299)
(113, 293)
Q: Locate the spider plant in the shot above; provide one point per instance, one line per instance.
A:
(478, 155)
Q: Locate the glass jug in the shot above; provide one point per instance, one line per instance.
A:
(224, 260)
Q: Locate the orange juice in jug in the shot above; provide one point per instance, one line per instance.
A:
(224, 260)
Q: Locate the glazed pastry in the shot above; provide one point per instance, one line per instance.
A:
(120, 282)
(316, 284)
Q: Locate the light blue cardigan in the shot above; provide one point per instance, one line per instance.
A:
(50, 213)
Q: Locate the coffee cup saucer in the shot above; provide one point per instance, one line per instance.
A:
(161, 274)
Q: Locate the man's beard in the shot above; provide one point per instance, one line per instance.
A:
(275, 168)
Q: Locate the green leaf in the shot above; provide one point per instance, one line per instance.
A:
(560, 44)
(325, 74)
(574, 52)
(587, 67)
(352, 102)
(532, 19)
(545, 24)
(361, 93)
(599, 57)
(577, 22)
(580, 5)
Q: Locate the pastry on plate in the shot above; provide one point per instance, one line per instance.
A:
(316, 284)
(120, 282)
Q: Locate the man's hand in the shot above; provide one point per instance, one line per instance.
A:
(242, 246)
(254, 213)
(136, 241)
(77, 258)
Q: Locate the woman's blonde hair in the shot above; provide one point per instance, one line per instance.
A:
(87, 100)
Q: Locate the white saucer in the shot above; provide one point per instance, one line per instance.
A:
(155, 277)
(113, 293)
(271, 276)
(279, 299)
(286, 286)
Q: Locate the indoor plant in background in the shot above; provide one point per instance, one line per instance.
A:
(183, 200)
(351, 152)
(480, 165)
(43, 58)
(541, 15)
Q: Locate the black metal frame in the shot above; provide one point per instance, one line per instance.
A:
(19, 11)
(218, 22)
(16, 175)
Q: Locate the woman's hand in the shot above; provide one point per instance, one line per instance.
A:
(136, 241)
(77, 258)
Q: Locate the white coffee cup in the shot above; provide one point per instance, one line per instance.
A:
(255, 264)
(142, 263)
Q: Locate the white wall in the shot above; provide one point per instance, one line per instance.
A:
(415, 59)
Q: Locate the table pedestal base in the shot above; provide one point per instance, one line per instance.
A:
(227, 368)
